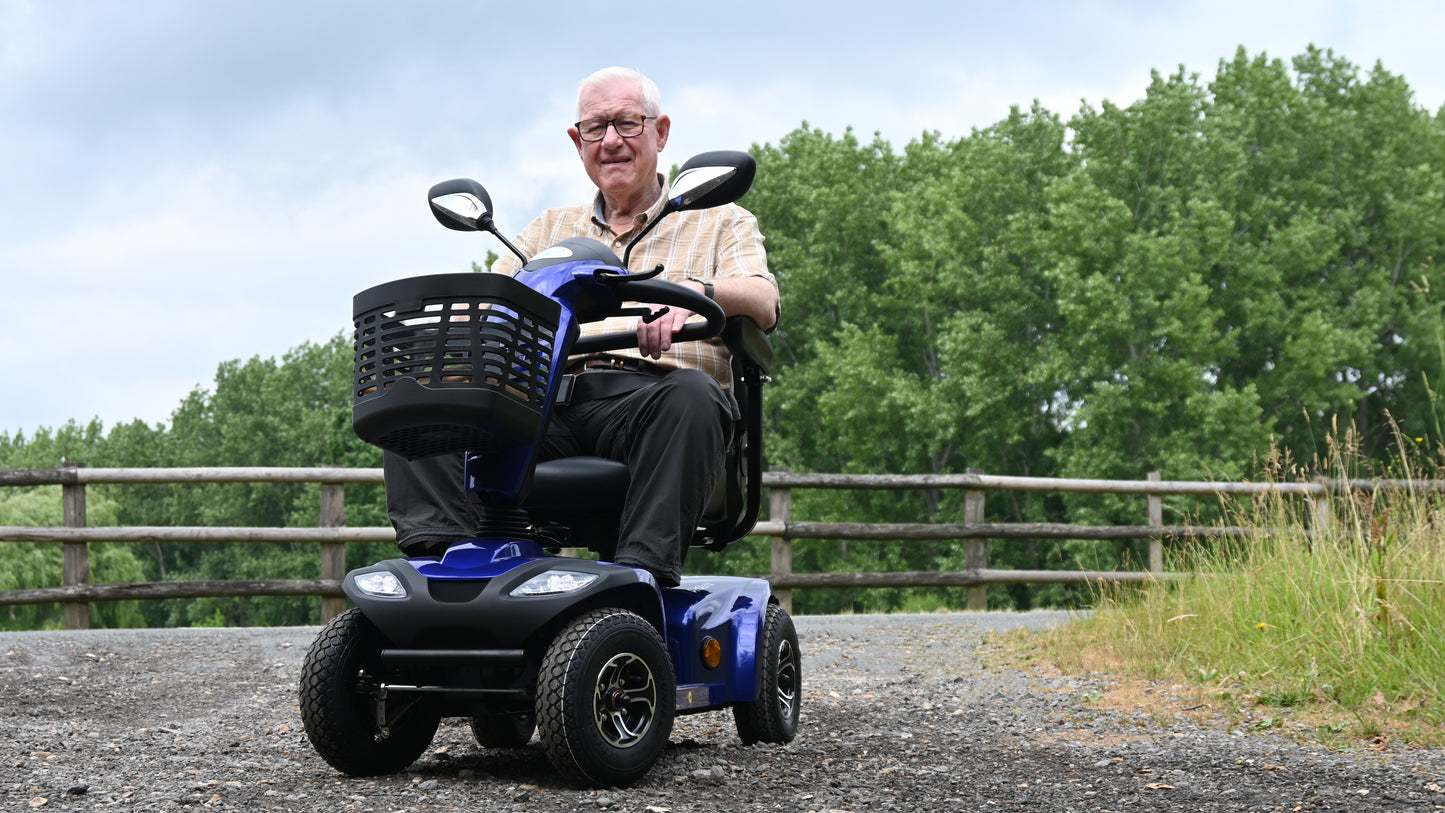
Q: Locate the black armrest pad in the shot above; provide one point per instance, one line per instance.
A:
(748, 341)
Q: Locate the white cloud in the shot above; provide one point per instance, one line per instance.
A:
(191, 183)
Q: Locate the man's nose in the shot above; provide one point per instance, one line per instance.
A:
(610, 135)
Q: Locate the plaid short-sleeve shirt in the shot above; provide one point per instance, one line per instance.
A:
(709, 244)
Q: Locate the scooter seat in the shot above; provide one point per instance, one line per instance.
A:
(570, 484)
(584, 495)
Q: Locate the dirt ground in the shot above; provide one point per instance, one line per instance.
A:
(900, 713)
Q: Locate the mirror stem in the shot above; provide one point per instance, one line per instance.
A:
(485, 221)
(627, 254)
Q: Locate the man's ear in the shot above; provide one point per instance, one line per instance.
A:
(576, 138)
(664, 126)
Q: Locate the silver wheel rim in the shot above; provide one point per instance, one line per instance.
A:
(787, 679)
(624, 702)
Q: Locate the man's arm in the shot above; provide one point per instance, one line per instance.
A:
(737, 296)
(746, 296)
(742, 286)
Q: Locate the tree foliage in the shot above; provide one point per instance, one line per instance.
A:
(263, 412)
(32, 564)
(1215, 272)
(1176, 285)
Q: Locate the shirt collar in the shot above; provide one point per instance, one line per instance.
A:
(599, 213)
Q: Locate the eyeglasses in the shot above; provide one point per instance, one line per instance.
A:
(629, 126)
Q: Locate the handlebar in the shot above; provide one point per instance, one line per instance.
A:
(658, 292)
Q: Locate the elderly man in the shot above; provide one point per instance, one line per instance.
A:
(671, 429)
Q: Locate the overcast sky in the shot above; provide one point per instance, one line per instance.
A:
(185, 182)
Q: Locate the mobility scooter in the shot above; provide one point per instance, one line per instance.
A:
(595, 658)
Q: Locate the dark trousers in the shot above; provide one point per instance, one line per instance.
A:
(671, 434)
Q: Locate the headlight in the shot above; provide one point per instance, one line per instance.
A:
(554, 582)
(380, 583)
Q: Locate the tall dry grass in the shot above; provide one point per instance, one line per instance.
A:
(1333, 608)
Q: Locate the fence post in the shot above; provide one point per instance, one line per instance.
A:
(333, 554)
(975, 551)
(1156, 520)
(76, 568)
(780, 509)
(1323, 515)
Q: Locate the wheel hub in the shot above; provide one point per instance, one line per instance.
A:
(625, 700)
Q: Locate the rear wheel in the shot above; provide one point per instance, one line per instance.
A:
(501, 728)
(605, 698)
(340, 684)
(773, 717)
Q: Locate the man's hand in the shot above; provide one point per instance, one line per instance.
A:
(655, 338)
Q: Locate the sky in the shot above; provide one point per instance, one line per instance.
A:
(189, 182)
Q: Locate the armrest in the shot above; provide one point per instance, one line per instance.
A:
(747, 341)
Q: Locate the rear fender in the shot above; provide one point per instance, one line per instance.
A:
(727, 609)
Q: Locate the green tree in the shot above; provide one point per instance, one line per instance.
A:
(1220, 269)
(263, 412)
(39, 564)
(1172, 285)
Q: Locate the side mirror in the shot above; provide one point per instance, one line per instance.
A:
(461, 204)
(704, 181)
(711, 179)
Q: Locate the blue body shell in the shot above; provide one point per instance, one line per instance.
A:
(465, 598)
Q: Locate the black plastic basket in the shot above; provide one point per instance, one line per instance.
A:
(451, 362)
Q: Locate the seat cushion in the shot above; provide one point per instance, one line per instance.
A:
(571, 484)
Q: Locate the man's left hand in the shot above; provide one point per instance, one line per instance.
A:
(655, 338)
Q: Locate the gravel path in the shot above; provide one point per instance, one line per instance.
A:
(901, 713)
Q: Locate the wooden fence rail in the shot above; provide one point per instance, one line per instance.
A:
(332, 535)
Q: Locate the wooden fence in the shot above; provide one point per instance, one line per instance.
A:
(332, 533)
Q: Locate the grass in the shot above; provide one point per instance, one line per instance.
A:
(1327, 620)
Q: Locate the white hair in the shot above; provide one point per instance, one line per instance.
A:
(651, 97)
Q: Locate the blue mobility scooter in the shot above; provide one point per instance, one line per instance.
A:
(594, 657)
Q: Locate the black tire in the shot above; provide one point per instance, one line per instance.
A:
(773, 717)
(340, 717)
(498, 728)
(606, 698)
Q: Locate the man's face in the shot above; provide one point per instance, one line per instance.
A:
(623, 168)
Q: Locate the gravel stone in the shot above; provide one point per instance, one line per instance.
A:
(901, 713)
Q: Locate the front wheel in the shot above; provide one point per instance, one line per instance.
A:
(605, 698)
(340, 692)
(773, 717)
